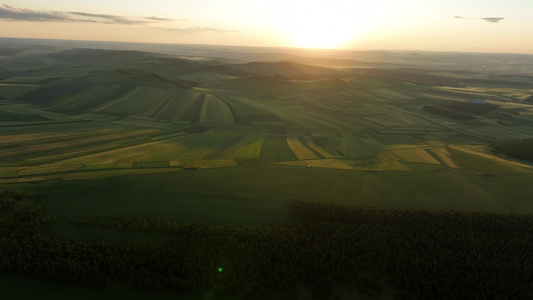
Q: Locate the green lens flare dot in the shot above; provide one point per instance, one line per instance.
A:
(220, 269)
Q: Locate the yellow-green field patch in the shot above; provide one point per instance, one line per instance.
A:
(253, 149)
(48, 168)
(24, 137)
(317, 148)
(113, 173)
(23, 179)
(234, 151)
(39, 145)
(301, 151)
(386, 161)
(445, 157)
(216, 163)
(174, 163)
(416, 156)
(329, 163)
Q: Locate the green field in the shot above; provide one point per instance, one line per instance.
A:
(246, 194)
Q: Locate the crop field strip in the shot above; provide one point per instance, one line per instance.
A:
(321, 152)
(29, 110)
(445, 157)
(175, 106)
(231, 148)
(275, 148)
(252, 149)
(84, 157)
(197, 107)
(45, 137)
(350, 147)
(73, 143)
(416, 156)
(180, 147)
(93, 96)
(151, 102)
(127, 103)
(299, 149)
(304, 140)
(215, 111)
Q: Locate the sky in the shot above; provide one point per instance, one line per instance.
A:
(434, 25)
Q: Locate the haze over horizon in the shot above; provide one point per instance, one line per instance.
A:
(475, 26)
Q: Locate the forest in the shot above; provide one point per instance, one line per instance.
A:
(522, 149)
(418, 254)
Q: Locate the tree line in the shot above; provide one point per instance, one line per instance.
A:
(522, 149)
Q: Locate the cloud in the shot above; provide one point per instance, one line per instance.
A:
(490, 20)
(194, 30)
(163, 19)
(108, 19)
(11, 13)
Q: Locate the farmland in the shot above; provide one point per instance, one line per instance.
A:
(105, 134)
(143, 114)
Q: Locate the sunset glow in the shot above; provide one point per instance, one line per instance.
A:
(381, 24)
(317, 24)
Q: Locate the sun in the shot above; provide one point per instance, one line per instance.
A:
(309, 34)
(324, 24)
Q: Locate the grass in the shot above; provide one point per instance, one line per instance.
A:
(479, 162)
(260, 194)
